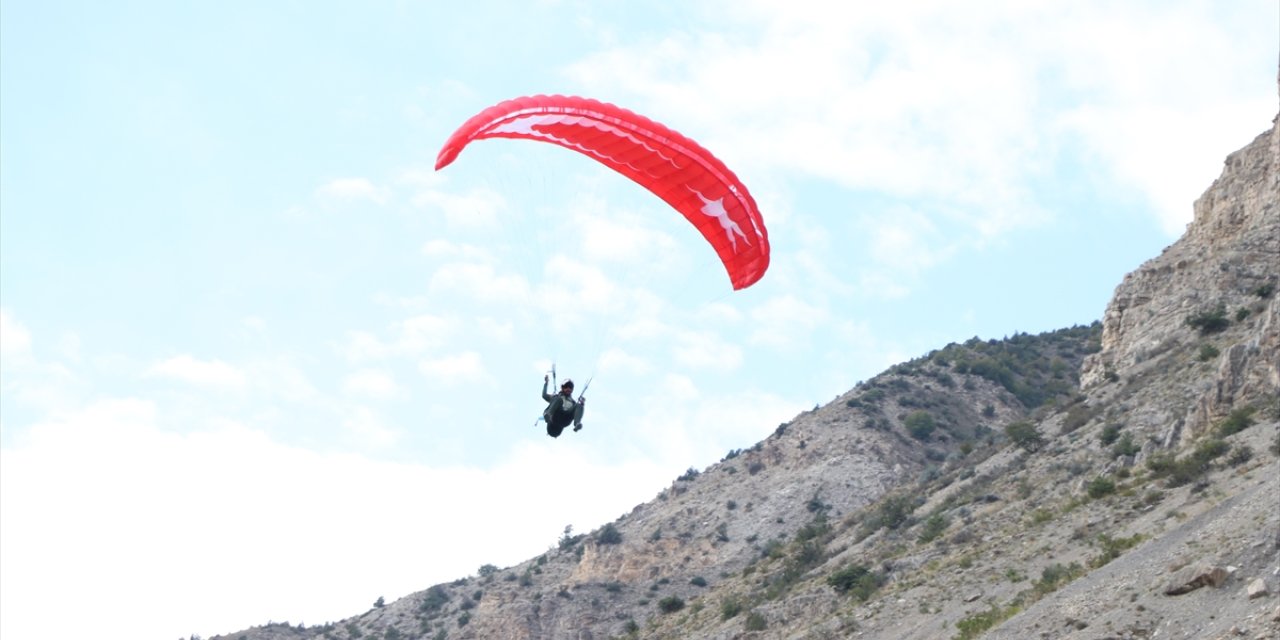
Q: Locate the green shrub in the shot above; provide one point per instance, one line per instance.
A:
(933, 527)
(973, 626)
(856, 580)
(773, 549)
(920, 425)
(567, 539)
(755, 622)
(730, 606)
(1235, 422)
(1101, 486)
(434, 600)
(1056, 575)
(698, 581)
(891, 513)
(609, 535)
(1025, 435)
(1041, 516)
(1240, 455)
(1152, 497)
(1125, 447)
(670, 604)
(1210, 449)
(1186, 470)
(1207, 352)
(1161, 464)
(1208, 322)
(816, 505)
(1077, 416)
(1110, 433)
(815, 528)
(1113, 547)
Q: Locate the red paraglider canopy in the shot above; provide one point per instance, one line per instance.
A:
(673, 167)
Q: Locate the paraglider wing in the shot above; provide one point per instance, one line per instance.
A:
(673, 167)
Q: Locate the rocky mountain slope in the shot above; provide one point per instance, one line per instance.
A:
(1120, 480)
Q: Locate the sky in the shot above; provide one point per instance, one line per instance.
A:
(259, 362)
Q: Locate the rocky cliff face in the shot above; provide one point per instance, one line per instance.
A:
(1225, 264)
(1114, 481)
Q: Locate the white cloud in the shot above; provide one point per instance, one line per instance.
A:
(718, 314)
(883, 283)
(210, 373)
(906, 241)
(477, 209)
(32, 383)
(255, 323)
(368, 429)
(643, 328)
(498, 329)
(280, 379)
(14, 337)
(480, 282)
(68, 347)
(815, 269)
(411, 336)
(1171, 171)
(362, 345)
(1165, 93)
(274, 379)
(675, 386)
(957, 103)
(706, 350)
(458, 369)
(889, 123)
(111, 500)
(353, 189)
(616, 360)
(467, 209)
(786, 321)
(438, 248)
(571, 291)
(423, 332)
(623, 238)
(372, 383)
(686, 427)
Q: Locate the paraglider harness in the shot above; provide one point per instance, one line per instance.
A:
(556, 415)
